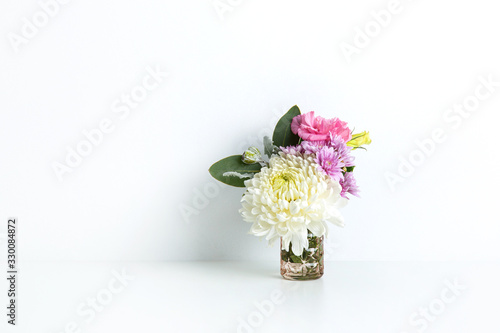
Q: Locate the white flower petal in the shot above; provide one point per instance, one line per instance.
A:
(289, 197)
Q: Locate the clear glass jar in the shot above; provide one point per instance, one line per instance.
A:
(308, 266)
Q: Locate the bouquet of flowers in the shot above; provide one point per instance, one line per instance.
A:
(304, 177)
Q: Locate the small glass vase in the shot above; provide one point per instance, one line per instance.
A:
(308, 266)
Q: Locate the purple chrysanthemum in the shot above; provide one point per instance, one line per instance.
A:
(348, 184)
(313, 147)
(342, 149)
(330, 162)
(333, 157)
(293, 150)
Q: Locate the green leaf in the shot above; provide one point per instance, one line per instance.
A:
(295, 259)
(283, 135)
(233, 164)
(350, 169)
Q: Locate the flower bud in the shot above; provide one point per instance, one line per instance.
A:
(251, 156)
(360, 139)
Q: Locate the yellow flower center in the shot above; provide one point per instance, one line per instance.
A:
(284, 185)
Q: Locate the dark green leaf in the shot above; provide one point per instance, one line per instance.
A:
(233, 164)
(283, 135)
(350, 169)
(295, 259)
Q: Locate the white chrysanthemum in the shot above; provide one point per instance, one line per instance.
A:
(289, 197)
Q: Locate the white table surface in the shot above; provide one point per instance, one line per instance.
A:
(221, 297)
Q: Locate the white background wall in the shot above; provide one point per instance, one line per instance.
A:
(228, 80)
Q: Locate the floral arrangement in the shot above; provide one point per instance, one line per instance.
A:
(304, 177)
